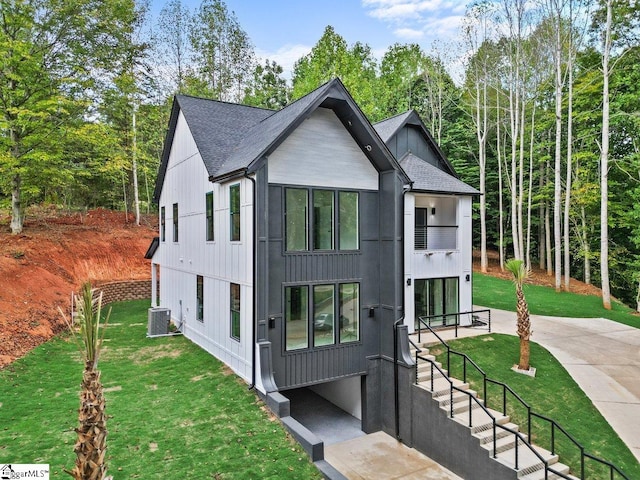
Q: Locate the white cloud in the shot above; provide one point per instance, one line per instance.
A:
(398, 10)
(286, 56)
(409, 34)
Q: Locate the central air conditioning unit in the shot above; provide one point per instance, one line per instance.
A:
(158, 324)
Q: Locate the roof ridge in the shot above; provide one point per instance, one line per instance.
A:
(396, 115)
(235, 104)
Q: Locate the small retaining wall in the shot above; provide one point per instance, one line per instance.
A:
(125, 290)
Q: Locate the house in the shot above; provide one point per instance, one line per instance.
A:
(293, 242)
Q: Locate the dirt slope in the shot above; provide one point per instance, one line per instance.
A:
(54, 255)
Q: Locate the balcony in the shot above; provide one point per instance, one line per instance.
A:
(432, 238)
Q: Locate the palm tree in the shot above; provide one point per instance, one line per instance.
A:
(520, 274)
(90, 448)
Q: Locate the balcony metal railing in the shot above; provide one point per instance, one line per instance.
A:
(436, 238)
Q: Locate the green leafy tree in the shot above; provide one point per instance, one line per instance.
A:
(223, 56)
(51, 52)
(400, 68)
(267, 89)
(331, 57)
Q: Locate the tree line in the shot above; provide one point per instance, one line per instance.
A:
(543, 121)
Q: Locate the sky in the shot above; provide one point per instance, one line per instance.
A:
(285, 30)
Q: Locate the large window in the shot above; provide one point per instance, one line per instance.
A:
(162, 224)
(348, 220)
(323, 315)
(209, 213)
(318, 303)
(234, 211)
(437, 298)
(323, 220)
(200, 298)
(296, 207)
(235, 311)
(296, 316)
(175, 222)
(326, 229)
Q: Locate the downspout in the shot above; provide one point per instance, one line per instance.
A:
(254, 280)
(396, 382)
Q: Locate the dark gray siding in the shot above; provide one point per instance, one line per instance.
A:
(314, 365)
(409, 139)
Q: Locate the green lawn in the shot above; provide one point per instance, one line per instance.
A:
(175, 411)
(495, 292)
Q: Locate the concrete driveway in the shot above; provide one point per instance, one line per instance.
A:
(602, 356)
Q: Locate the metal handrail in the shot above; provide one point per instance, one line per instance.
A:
(426, 319)
(505, 388)
(495, 425)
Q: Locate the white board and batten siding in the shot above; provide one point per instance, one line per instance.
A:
(438, 263)
(321, 153)
(220, 262)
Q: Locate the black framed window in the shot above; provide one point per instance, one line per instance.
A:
(163, 226)
(349, 298)
(323, 315)
(175, 222)
(323, 208)
(438, 299)
(209, 215)
(296, 219)
(234, 211)
(348, 221)
(235, 311)
(200, 298)
(296, 315)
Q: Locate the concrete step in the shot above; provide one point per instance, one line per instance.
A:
(444, 400)
(503, 443)
(540, 475)
(528, 462)
(441, 385)
(425, 374)
(486, 436)
(480, 420)
(424, 365)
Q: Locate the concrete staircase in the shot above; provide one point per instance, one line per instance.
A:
(466, 403)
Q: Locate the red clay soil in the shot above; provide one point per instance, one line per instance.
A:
(536, 276)
(53, 256)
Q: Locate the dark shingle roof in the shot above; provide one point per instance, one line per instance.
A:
(232, 138)
(429, 178)
(218, 127)
(388, 127)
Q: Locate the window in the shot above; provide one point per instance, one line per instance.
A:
(437, 298)
(162, 224)
(323, 315)
(348, 220)
(296, 316)
(209, 213)
(200, 298)
(322, 220)
(234, 211)
(175, 222)
(296, 206)
(349, 298)
(235, 311)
